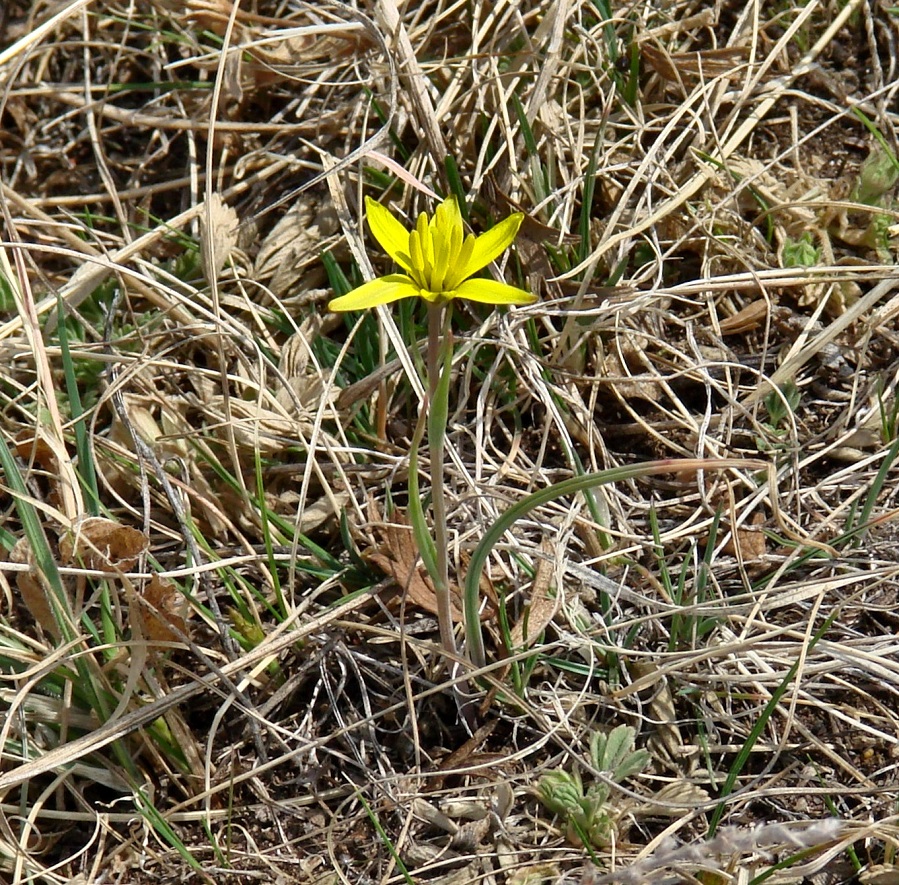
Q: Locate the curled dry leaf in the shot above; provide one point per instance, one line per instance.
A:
(880, 874)
(290, 254)
(398, 557)
(218, 235)
(751, 317)
(35, 449)
(749, 542)
(305, 384)
(543, 607)
(626, 368)
(673, 800)
(101, 544)
(313, 515)
(536, 874)
(666, 743)
(160, 612)
(679, 67)
(32, 588)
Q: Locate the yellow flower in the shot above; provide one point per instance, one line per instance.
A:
(438, 260)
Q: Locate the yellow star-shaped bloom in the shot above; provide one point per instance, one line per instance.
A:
(438, 260)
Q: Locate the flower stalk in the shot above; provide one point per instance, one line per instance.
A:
(440, 364)
(438, 262)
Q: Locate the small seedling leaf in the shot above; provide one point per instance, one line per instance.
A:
(561, 792)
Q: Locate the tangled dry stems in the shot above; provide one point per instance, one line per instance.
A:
(172, 176)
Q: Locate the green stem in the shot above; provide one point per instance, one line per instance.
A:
(440, 358)
(420, 532)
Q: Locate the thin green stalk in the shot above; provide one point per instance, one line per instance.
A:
(385, 839)
(455, 184)
(267, 538)
(90, 679)
(86, 470)
(440, 358)
(876, 486)
(423, 539)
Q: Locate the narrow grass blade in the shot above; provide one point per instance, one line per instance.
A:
(385, 839)
(33, 530)
(455, 183)
(471, 592)
(86, 471)
(759, 726)
(874, 492)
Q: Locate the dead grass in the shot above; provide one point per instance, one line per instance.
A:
(219, 678)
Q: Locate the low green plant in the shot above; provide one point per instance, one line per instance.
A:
(760, 724)
(780, 405)
(877, 179)
(589, 813)
(801, 253)
(691, 590)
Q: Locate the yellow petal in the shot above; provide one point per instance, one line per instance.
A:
(421, 267)
(423, 228)
(493, 292)
(456, 239)
(448, 235)
(383, 290)
(466, 250)
(490, 245)
(392, 236)
(441, 269)
(448, 217)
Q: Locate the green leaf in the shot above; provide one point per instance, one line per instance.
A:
(471, 594)
(561, 792)
(614, 753)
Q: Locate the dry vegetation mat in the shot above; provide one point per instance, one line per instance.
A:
(668, 485)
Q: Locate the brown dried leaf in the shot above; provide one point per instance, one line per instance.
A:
(219, 226)
(673, 799)
(103, 545)
(749, 544)
(544, 604)
(160, 612)
(625, 370)
(289, 253)
(34, 592)
(398, 557)
(880, 874)
(536, 874)
(210, 15)
(746, 320)
(35, 450)
(306, 49)
(706, 63)
(305, 385)
(666, 744)
(462, 755)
